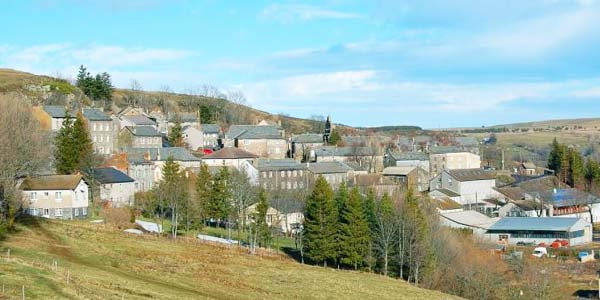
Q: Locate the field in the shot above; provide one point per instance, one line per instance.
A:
(98, 262)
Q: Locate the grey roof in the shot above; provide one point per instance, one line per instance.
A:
(136, 155)
(184, 117)
(253, 132)
(279, 164)
(398, 171)
(470, 218)
(328, 167)
(471, 174)
(534, 224)
(400, 156)
(143, 130)
(466, 141)
(230, 153)
(94, 114)
(355, 166)
(344, 151)
(110, 175)
(139, 120)
(447, 192)
(446, 149)
(308, 138)
(210, 128)
(528, 165)
(567, 197)
(56, 111)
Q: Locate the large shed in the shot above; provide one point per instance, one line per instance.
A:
(537, 230)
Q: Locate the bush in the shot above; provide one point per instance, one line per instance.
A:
(119, 217)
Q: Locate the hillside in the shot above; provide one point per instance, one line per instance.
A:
(103, 263)
(48, 90)
(583, 123)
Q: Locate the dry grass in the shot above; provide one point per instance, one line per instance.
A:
(103, 263)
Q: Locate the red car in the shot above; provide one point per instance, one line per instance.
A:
(559, 244)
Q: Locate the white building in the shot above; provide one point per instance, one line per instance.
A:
(512, 230)
(477, 222)
(472, 185)
(115, 186)
(452, 161)
(56, 196)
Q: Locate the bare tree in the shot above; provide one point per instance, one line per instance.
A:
(24, 152)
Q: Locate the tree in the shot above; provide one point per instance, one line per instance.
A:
(385, 230)
(335, 137)
(356, 232)
(176, 134)
(97, 87)
(576, 171)
(341, 201)
(172, 193)
(320, 223)
(24, 152)
(371, 215)
(262, 231)
(204, 191)
(555, 158)
(243, 194)
(592, 176)
(417, 236)
(219, 207)
(82, 142)
(65, 154)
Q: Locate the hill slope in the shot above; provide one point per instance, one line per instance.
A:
(106, 264)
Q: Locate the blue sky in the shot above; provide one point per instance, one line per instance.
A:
(366, 63)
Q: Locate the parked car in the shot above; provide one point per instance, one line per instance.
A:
(559, 244)
(539, 252)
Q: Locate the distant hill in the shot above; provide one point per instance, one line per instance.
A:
(103, 262)
(585, 123)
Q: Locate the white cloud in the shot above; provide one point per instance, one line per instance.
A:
(120, 56)
(286, 13)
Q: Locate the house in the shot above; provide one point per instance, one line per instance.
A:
(103, 130)
(229, 157)
(419, 143)
(473, 185)
(266, 141)
(450, 160)
(206, 136)
(303, 146)
(413, 177)
(145, 164)
(281, 174)
(115, 186)
(185, 119)
(141, 137)
(571, 202)
(406, 159)
(288, 223)
(367, 157)
(56, 196)
(272, 216)
(136, 120)
(512, 230)
(379, 183)
(527, 169)
(357, 168)
(334, 172)
(51, 117)
(471, 220)
(519, 203)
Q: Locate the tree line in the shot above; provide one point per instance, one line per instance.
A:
(97, 88)
(573, 169)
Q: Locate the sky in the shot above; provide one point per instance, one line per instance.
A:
(430, 63)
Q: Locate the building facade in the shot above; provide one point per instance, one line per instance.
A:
(103, 130)
(56, 196)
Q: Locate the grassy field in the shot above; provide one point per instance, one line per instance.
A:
(103, 263)
(542, 139)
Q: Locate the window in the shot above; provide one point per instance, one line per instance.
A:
(76, 212)
(46, 194)
(33, 196)
(283, 185)
(277, 151)
(295, 185)
(33, 211)
(289, 185)
(58, 196)
(295, 173)
(270, 174)
(101, 138)
(108, 138)
(58, 212)
(94, 127)
(264, 174)
(84, 211)
(95, 138)
(289, 173)
(301, 184)
(46, 212)
(300, 173)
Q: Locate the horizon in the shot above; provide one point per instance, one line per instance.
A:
(432, 64)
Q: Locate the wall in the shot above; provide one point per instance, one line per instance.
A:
(118, 193)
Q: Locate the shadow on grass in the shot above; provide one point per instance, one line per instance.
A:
(586, 294)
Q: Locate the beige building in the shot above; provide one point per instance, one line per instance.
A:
(281, 174)
(56, 196)
(103, 130)
(452, 161)
(266, 141)
(141, 137)
(334, 172)
(116, 187)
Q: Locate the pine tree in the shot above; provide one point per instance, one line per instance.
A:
(203, 190)
(82, 143)
(335, 137)
(555, 159)
(172, 192)
(219, 207)
(176, 134)
(576, 172)
(592, 176)
(341, 201)
(370, 212)
(65, 155)
(418, 238)
(262, 228)
(320, 224)
(356, 232)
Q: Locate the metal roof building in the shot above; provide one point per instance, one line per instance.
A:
(537, 230)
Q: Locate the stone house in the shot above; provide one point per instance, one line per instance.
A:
(136, 120)
(527, 169)
(472, 185)
(103, 130)
(206, 136)
(56, 196)
(367, 157)
(379, 183)
(141, 137)
(302, 147)
(115, 186)
(335, 172)
(51, 117)
(439, 161)
(266, 141)
(281, 174)
(409, 177)
(406, 159)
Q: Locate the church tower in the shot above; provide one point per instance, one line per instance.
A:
(327, 131)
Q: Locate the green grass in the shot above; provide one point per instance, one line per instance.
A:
(104, 263)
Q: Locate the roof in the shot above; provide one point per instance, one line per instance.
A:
(344, 151)
(184, 117)
(534, 224)
(210, 128)
(567, 197)
(308, 138)
(447, 192)
(270, 211)
(253, 132)
(512, 193)
(264, 164)
(355, 166)
(94, 114)
(110, 175)
(56, 111)
(470, 218)
(143, 130)
(529, 165)
(136, 155)
(446, 149)
(230, 153)
(398, 171)
(471, 174)
(52, 182)
(328, 167)
(527, 205)
(422, 156)
(466, 140)
(446, 203)
(139, 120)
(372, 180)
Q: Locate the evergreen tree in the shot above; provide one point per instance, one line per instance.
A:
(576, 172)
(82, 143)
(219, 207)
(320, 223)
(335, 137)
(262, 228)
(65, 155)
(203, 190)
(172, 192)
(370, 212)
(341, 201)
(592, 176)
(176, 134)
(555, 159)
(356, 232)
(419, 251)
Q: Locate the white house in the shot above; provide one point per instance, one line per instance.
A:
(115, 186)
(472, 185)
(56, 196)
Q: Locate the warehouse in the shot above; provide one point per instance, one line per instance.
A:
(537, 230)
